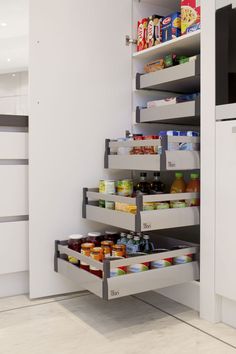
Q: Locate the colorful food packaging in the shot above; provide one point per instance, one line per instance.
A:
(126, 208)
(125, 187)
(115, 272)
(142, 34)
(154, 30)
(139, 267)
(150, 150)
(153, 66)
(171, 27)
(190, 16)
(164, 102)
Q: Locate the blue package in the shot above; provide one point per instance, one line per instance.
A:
(171, 27)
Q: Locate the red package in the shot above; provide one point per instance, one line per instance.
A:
(142, 34)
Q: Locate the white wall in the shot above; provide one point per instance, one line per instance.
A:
(14, 265)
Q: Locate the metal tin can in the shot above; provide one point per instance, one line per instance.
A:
(161, 263)
(110, 205)
(125, 187)
(115, 272)
(107, 186)
(119, 251)
(97, 254)
(139, 267)
(85, 250)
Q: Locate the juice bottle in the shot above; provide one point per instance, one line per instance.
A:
(179, 185)
(193, 187)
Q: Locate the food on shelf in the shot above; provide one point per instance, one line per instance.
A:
(97, 254)
(148, 206)
(178, 204)
(107, 186)
(143, 187)
(111, 236)
(178, 145)
(154, 65)
(183, 59)
(95, 238)
(154, 30)
(193, 187)
(182, 259)
(115, 272)
(179, 185)
(171, 27)
(125, 187)
(161, 263)
(142, 34)
(86, 250)
(139, 267)
(162, 205)
(74, 243)
(150, 150)
(190, 16)
(157, 186)
(172, 100)
(126, 208)
(119, 250)
(146, 245)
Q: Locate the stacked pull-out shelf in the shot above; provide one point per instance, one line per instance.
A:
(179, 79)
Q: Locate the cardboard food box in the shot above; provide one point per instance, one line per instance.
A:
(171, 27)
(142, 34)
(154, 30)
(190, 16)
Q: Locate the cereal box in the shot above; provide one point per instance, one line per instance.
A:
(154, 30)
(142, 34)
(190, 16)
(171, 27)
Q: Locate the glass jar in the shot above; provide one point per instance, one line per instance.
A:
(112, 236)
(107, 248)
(86, 250)
(74, 243)
(119, 251)
(97, 254)
(94, 237)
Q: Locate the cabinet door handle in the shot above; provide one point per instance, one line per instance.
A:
(234, 130)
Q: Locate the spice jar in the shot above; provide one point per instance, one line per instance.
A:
(74, 243)
(86, 250)
(96, 254)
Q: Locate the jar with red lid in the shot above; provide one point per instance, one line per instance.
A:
(96, 254)
(94, 237)
(111, 236)
(86, 250)
(74, 243)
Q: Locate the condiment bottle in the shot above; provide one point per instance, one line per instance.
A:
(193, 187)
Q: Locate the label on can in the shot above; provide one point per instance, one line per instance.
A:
(137, 268)
(125, 187)
(115, 272)
(107, 187)
(183, 259)
(110, 205)
(162, 263)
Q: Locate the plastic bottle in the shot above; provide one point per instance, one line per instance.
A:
(148, 245)
(136, 244)
(179, 185)
(193, 187)
(130, 243)
(123, 239)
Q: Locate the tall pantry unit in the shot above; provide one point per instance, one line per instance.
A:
(87, 90)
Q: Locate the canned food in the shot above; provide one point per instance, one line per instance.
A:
(101, 203)
(161, 263)
(97, 254)
(85, 250)
(139, 267)
(107, 186)
(119, 251)
(182, 259)
(178, 205)
(162, 205)
(115, 272)
(110, 205)
(147, 206)
(125, 187)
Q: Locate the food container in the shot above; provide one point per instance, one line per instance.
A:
(127, 208)
(161, 263)
(178, 205)
(115, 272)
(190, 16)
(171, 27)
(137, 150)
(125, 187)
(124, 150)
(107, 187)
(154, 30)
(107, 248)
(111, 236)
(182, 259)
(162, 205)
(139, 267)
(74, 243)
(119, 251)
(97, 254)
(101, 203)
(85, 250)
(142, 34)
(153, 66)
(150, 150)
(94, 237)
(147, 206)
(110, 205)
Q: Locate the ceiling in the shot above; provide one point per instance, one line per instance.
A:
(13, 35)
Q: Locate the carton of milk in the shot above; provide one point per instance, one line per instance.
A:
(171, 27)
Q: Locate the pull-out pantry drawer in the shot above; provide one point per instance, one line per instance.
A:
(14, 250)
(109, 287)
(13, 190)
(13, 145)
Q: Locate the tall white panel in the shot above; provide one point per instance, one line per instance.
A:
(80, 81)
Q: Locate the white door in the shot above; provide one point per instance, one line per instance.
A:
(80, 86)
(226, 209)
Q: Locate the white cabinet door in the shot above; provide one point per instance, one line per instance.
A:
(80, 83)
(225, 209)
